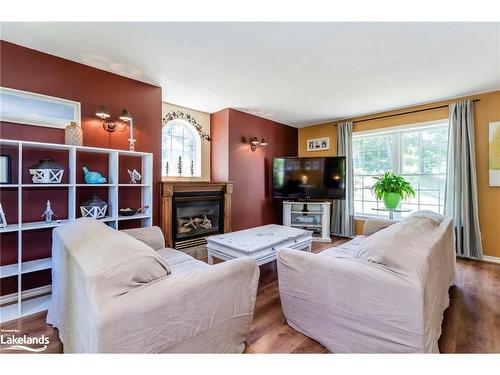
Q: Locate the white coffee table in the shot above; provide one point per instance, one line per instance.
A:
(260, 243)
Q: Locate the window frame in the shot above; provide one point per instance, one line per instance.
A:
(397, 158)
(197, 150)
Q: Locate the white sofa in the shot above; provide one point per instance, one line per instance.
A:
(116, 293)
(383, 293)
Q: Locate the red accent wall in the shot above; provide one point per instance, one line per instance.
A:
(29, 70)
(251, 172)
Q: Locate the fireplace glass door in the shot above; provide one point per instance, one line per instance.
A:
(198, 216)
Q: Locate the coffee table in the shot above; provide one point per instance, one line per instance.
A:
(260, 243)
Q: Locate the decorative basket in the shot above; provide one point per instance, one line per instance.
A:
(73, 134)
(94, 207)
(46, 171)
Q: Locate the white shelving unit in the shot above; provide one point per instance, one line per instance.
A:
(26, 302)
(314, 216)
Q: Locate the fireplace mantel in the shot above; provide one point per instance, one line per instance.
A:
(168, 189)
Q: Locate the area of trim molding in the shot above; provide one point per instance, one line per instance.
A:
(491, 259)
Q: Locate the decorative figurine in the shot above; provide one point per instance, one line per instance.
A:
(46, 171)
(94, 207)
(134, 176)
(3, 220)
(179, 166)
(166, 169)
(48, 213)
(93, 177)
(192, 168)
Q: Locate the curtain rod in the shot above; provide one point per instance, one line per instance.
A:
(405, 113)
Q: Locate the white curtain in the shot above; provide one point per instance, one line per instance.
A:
(343, 209)
(461, 186)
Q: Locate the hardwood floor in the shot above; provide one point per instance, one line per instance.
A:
(471, 323)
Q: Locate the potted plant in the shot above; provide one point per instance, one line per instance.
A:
(392, 188)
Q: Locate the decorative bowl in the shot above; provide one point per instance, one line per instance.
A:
(128, 211)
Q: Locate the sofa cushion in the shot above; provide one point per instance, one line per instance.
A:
(179, 262)
(401, 246)
(112, 262)
(345, 250)
(373, 225)
(151, 236)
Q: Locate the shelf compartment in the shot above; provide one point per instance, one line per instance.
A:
(32, 155)
(9, 254)
(13, 151)
(129, 162)
(94, 162)
(38, 196)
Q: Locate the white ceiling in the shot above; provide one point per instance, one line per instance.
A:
(295, 73)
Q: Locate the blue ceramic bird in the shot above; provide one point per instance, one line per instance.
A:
(93, 177)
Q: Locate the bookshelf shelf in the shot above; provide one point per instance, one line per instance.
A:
(74, 192)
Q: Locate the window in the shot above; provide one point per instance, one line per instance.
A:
(418, 153)
(180, 139)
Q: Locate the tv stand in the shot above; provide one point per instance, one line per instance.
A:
(310, 215)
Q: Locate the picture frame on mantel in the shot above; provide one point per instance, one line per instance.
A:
(28, 108)
(318, 144)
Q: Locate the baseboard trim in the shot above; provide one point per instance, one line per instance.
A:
(25, 295)
(488, 258)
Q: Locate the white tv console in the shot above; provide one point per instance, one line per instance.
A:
(310, 215)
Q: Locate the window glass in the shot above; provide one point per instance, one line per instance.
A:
(417, 153)
(180, 139)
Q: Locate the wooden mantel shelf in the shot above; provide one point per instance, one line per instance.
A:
(169, 188)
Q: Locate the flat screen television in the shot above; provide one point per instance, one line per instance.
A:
(309, 178)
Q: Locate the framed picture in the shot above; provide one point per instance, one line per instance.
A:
(22, 107)
(318, 144)
(494, 153)
(5, 169)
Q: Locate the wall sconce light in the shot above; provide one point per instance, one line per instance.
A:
(108, 125)
(111, 126)
(254, 143)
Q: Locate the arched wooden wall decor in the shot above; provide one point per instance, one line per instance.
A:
(174, 115)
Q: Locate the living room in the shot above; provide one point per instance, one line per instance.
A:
(203, 188)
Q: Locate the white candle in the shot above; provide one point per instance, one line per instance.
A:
(131, 129)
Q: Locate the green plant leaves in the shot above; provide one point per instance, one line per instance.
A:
(390, 182)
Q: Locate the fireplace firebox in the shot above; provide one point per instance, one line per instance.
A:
(196, 215)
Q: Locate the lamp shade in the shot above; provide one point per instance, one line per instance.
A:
(102, 112)
(254, 141)
(263, 142)
(125, 116)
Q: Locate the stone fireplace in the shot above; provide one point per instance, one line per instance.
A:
(192, 211)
